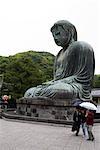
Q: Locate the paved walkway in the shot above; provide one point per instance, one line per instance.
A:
(38, 136)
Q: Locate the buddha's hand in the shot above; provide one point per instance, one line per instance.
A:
(48, 83)
(68, 79)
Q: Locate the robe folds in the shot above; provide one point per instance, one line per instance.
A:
(73, 74)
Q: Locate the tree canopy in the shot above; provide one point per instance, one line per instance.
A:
(25, 70)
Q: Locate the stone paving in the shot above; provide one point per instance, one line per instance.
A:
(39, 136)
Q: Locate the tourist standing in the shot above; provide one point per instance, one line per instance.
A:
(89, 123)
(76, 120)
(83, 123)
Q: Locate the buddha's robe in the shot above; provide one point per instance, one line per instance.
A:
(73, 74)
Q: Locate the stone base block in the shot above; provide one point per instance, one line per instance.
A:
(45, 108)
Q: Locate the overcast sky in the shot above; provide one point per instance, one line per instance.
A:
(25, 24)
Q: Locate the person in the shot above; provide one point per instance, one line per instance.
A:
(83, 122)
(73, 67)
(76, 121)
(89, 123)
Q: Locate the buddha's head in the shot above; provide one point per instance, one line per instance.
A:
(64, 33)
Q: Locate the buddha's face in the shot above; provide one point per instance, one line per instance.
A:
(61, 37)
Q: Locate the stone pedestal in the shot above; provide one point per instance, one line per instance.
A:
(45, 108)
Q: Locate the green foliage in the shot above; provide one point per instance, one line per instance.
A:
(96, 81)
(25, 70)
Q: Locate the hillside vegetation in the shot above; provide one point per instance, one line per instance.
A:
(25, 70)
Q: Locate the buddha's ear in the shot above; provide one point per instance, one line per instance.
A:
(70, 36)
(74, 32)
(72, 40)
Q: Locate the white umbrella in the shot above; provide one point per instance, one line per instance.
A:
(88, 105)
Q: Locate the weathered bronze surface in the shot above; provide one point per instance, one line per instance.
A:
(73, 68)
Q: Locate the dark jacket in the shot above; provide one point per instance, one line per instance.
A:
(83, 118)
(77, 117)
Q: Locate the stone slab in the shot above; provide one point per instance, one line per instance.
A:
(37, 136)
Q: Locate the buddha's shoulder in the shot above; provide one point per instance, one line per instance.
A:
(81, 44)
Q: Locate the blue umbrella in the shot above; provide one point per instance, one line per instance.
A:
(77, 102)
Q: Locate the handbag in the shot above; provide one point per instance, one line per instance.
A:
(74, 126)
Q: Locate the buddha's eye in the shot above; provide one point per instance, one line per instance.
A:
(57, 33)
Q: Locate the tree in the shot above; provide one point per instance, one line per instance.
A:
(25, 70)
(96, 81)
